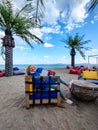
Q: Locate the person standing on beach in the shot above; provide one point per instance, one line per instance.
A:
(33, 71)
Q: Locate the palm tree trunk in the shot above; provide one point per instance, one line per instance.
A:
(73, 53)
(8, 43)
(72, 61)
(8, 61)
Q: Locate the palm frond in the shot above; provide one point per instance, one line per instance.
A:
(81, 53)
(27, 8)
(93, 4)
(77, 42)
(6, 13)
(17, 23)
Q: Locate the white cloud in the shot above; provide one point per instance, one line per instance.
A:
(47, 29)
(51, 12)
(71, 12)
(46, 56)
(37, 32)
(34, 57)
(76, 15)
(19, 4)
(51, 29)
(64, 57)
(92, 21)
(71, 26)
(20, 47)
(55, 29)
(48, 37)
(96, 17)
(48, 45)
(92, 50)
(81, 61)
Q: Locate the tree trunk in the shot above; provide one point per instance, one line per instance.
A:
(72, 61)
(8, 43)
(8, 61)
(73, 53)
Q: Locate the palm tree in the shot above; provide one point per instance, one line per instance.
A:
(39, 13)
(76, 43)
(12, 22)
(93, 4)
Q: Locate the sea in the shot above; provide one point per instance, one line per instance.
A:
(24, 66)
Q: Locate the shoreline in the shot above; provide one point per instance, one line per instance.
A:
(14, 115)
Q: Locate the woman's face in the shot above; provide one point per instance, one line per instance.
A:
(32, 68)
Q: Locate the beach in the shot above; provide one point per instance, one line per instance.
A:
(14, 116)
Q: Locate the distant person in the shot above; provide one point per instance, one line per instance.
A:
(33, 71)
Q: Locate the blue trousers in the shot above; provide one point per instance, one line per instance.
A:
(56, 86)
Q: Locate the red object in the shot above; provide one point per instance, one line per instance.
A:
(1, 74)
(67, 67)
(51, 72)
(83, 69)
(74, 71)
(77, 67)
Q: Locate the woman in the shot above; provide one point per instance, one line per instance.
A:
(33, 71)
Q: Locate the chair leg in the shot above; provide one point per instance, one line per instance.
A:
(58, 100)
(27, 101)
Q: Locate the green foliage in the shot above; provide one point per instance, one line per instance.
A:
(77, 42)
(93, 4)
(17, 22)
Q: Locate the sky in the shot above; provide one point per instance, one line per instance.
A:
(61, 18)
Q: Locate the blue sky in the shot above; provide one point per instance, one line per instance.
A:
(61, 18)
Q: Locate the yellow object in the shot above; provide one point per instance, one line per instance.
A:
(30, 87)
(90, 74)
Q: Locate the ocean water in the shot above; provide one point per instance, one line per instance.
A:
(24, 66)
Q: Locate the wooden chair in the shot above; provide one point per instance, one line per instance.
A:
(36, 93)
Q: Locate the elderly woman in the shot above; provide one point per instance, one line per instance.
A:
(33, 71)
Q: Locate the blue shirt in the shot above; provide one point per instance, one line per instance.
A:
(38, 80)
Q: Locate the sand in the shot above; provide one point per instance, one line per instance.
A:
(14, 115)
